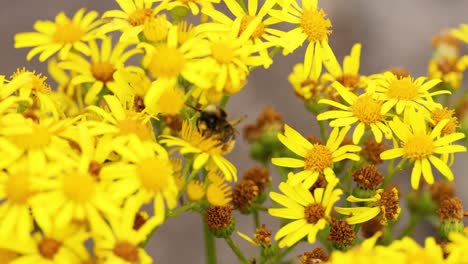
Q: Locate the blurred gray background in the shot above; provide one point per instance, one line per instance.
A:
(392, 33)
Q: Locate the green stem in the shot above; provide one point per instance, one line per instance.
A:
(323, 131)
(256, 219)
(392, 171)
(176, 212)
(283, 172)
(236, 250)
(224, 101)
(409, 229)
(210, 245)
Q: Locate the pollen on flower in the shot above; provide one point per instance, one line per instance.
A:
(315, 25)
(67, 32)
(127, 251)
(341, 233)
(139, 16)
(48, 247)
(314, 212)
(389, 205)
(350, 81)
(78, 187)
(166, 62)
(38, 138)
(259, 30)
(154, 173)
(440, 114)
(368, 177)
(403, 89)
(243, 194)
(17, 188)
(103, 71)
(450, 208)
(135, 127)
(418, 147)
(262, 236)
(222, 52)
(319, 158)
(219, 217)
(318, 255)
(367, 109)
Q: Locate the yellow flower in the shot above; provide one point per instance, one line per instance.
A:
(385, 203)
(61, 36)
(166, 100)
(365, 110)
(348, 76)
(9, 101)
(405, 93)
(457, 247)
(449, 70)
(195, 190)
(218, 193)
(205, 149)
(414, 253)
(167, 61)
(310, 212)
(98, 73)
(421, 146)
(311, 24)
(261, 36)
(144, 172)
(461, 32)
(40, 142)
(119, 241)
(52, 244)
(119, 121)
(305, 77)
(131, 18)
(316, 158)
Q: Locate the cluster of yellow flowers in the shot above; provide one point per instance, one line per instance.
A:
(138, 118)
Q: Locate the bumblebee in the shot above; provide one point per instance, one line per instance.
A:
(212, 122)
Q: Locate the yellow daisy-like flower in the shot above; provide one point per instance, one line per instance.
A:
(167, 61)
(431, 252)
(457, 247)
(38, 91)
(133, 84)
(166, 100)
(365, 110)
(195, 190)
(61, 36)
(385, 204)
(50, 245)
(131, 18)
(405, 93)
(16, 196)
(450, 70)
(310, 212)
(461, 33)
(74, 194)
(119, 121)
(305, 77)
(218, 193)
(421, 146)
(348, 76)
(231, 55)
(367, 252)
(311, 24)
(316, 158)
(205, 149)
(262, 35)
(144, 172)
(99, 72)
(40, 142)
(120, 241)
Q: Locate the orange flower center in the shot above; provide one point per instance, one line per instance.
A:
(126, 251)
(367, 109)
(48, 247)
(166, 62)
(418, 147)
(313, 213)
(139, 16)
(318, 158)
(103, 71)
(78, 187)
(222, 52)
(154, 173)
(403, 89)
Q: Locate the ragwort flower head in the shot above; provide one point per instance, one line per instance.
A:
(316, 158)
(421, 147)
(62, 35)
(310, 212)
